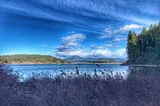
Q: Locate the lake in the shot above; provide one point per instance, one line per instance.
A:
(28, 70)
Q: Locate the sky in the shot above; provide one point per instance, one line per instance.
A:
(64, 28)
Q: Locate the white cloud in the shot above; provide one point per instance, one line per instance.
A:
(129, 27)
(101, 47)
(72, 53)
(116, 39)
(119, 39)
(71, 46)
(144, 20)
(96, 52)
(75, 38)
(100, 52)
(120, 53)
(83, 53)
(110, 32)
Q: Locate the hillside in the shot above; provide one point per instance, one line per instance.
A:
(29, 59)
(46, 59)
(95, 60)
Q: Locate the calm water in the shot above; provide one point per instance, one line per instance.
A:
(26, 71)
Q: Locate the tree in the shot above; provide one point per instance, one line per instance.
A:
(146, 43)
(144, 31)
(132, 45)
(151, 27)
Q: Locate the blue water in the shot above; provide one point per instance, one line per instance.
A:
(26, 71)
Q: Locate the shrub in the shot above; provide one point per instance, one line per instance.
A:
(140, 88)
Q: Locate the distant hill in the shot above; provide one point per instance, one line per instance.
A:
(47, 59)
(75, 59)
(29, 59)
(98, 60)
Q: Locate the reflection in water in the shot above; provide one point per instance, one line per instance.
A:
(145, 72)
(144, 68)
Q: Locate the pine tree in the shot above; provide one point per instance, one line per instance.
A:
(146, 43)
(144, 31)
(132, 46)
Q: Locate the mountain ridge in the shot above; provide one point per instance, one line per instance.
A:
(83, 59)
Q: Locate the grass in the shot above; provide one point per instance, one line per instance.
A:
(140, 88)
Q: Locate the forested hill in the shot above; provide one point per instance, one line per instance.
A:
(29, 59)
(144, 48)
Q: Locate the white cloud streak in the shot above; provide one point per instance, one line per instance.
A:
(118, 39)
(110, 32)
(73, 39)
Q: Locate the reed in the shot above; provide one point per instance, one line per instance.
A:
(140, 88)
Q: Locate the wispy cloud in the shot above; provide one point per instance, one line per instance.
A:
(73, 40)
(84, 14)
(111, 32)
(101, 47)
(117, 39)
(104, 19)
(127, 28)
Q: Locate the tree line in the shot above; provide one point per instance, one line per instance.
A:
(27, 59)
(144, 48)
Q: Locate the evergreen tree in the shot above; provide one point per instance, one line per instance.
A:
(146, 44)
(132, 45)
(144, 31)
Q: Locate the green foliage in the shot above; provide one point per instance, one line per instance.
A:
(132, 45)
(29, 59)
(145, 45)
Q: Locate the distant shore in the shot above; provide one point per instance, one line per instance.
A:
(57, 63)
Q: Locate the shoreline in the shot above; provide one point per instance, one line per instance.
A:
(141, 65)
(130, 65)
(58, 63)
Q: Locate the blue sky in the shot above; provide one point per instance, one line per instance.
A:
(63, 28)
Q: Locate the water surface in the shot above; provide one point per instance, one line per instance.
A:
(27, 70)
